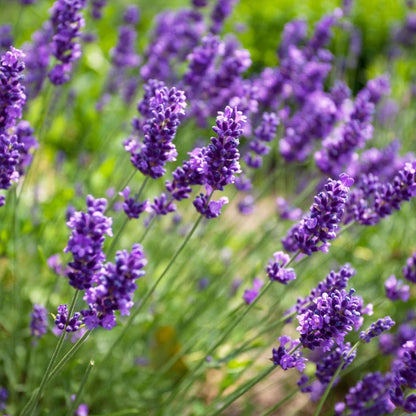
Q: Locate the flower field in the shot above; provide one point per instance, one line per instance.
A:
(207, 208)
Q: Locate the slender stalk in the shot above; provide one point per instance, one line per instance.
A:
(34, 400)
(68, 355)
(331, 383)
(153, 288)
(280, 403)
(81, 388)
(243, 389)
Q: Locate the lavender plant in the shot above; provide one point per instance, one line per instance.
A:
(146, 258)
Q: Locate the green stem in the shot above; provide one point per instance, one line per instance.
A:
(68, 355)
(34, 400)
(153, 288)
(243, 389)
(331, 383)
(280, 404)
(81, 388)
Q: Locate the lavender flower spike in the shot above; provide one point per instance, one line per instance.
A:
(409, 271)
(395, 289)
(39, 321)
(377, 328)
(164, 108)
(67, 21)
(313, 232)
(86, 243)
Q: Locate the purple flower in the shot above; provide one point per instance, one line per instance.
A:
(97, 8)
(209, 209)
(12, 92)
(163, 110)
(67, 21)
(82, 410)
(39, 321)
(251, 294)
(395, 289)
(288, 357)
(313, 232)
(221, 11)
(368, 397)
(286, 212)
(86, 243)
(28, 142)
(377, 328)
(4, 395)
(276, 269)
(162, 205)
(222, 156)
(131, 15)
(6, 39)
(329, 318)
(131, 206)
(63, 322)
(409, 271)
(115, 288)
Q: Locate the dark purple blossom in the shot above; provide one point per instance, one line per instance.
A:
(4, 395)
(38, 321)
(12, 92)
(162, 205)
(209, 209)
(286, 212)
(131, 206)
(97, 8)
(251, 294)
(313, 231)
(69, 324)
(175, 35)
(115, 288)
(67, 21)
(277, 271)
(377, 328)
(166, 107)
(368, 397)
(28, 142)
(6, 39)
(86, 243)
(288, 357)
(329, 318)
(221, 11)
(395, 289)
(131, 15)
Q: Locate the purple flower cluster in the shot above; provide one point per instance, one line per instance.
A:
(251, 294)
(6, 39)
(214, 166)
(368, 397)
(173, 39)
(276, 269)
(395, 289)
(64, 322)
(404, 371)
(16, 140)
(4, 395)
(38, 321)
(373, 199)
(97, 8)
(86, 243)
(329, 319)
(313, 231)
(376, 328)
(337, 149)
(131, 206)
(263, 134)
(221, 11)
(290, 356)
(163, 111)
(67, 21)
(114, 288)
